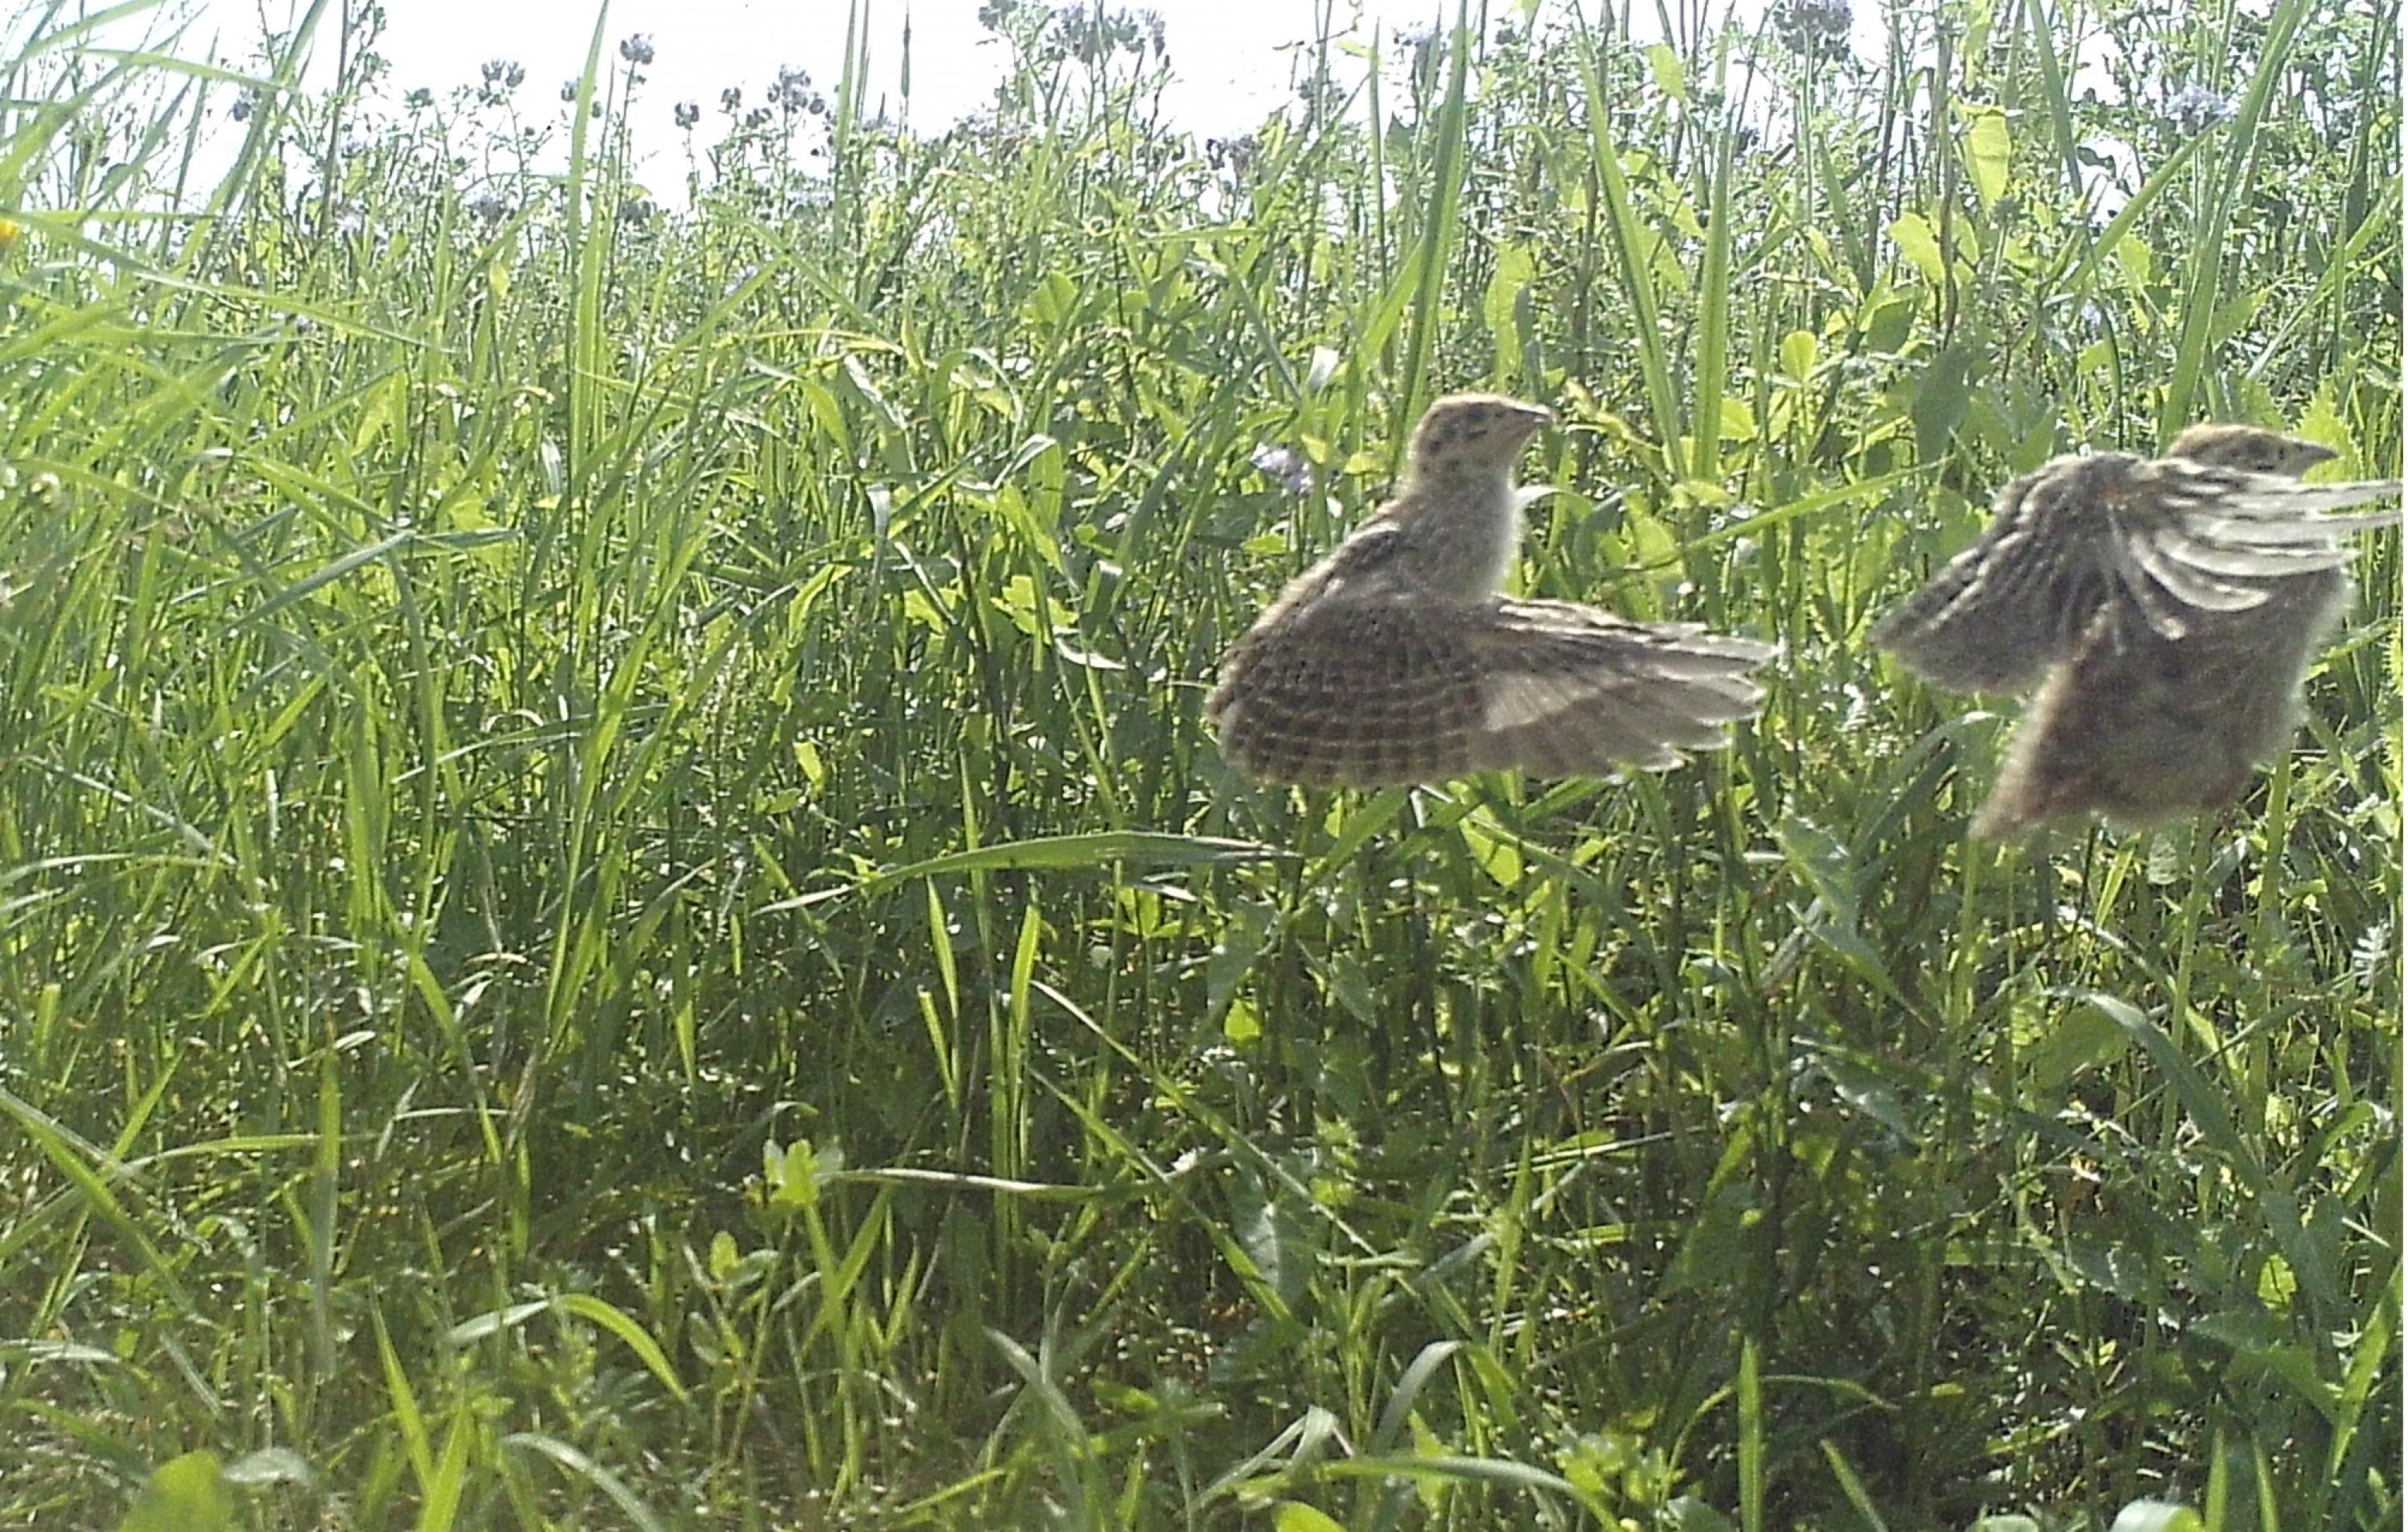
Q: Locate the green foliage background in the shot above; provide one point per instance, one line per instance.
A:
(614, 908)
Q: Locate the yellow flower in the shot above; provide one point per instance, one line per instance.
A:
(10, 232)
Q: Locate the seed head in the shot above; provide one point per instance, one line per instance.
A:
(791, 91)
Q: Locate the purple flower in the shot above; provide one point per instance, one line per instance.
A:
(1289, 468)
(2195, 109)
(791, 91)
(638, 50)
(1813, 29)
(1234, 155)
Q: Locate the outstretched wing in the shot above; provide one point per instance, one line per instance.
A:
(1387, 693)
(1569, 689)
(2191, 530)
(1352, 694)
(2148, 540)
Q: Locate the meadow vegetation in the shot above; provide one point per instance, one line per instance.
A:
(614, 909)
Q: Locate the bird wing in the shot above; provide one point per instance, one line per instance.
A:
(1339, 692)
(1569, 689)
(2153, 540)
(1996, 615)
(1381, 693)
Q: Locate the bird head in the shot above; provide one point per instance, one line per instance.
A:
(2248, 447)
(1475, 431)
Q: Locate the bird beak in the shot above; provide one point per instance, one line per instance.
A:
(2307, 454)
(1537, 418)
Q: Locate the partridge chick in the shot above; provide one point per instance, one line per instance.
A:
(1395, 660)
(2138, 726)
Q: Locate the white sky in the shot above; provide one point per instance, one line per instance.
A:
(1223, 53)
(1228, 69)
(1227, 66)
(1228, 63)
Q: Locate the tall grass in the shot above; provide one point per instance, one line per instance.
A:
(614, 909)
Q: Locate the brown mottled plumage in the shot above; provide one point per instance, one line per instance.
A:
(2157, 543)
(1394, 659)
(2137, 726)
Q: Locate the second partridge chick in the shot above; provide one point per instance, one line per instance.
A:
(1395, 660)
(2138, 726)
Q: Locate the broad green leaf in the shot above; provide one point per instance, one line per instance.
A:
(2234, 315)
(185, 1493)
(2323, 425)
(2083, 1038)
(1516, 270)
(1275, 1233)
(2140, 263)
(1240, 1023)
(1663, 67)
(1244, 933)
(1912, 233)
(1495, 855)
(1986, 153)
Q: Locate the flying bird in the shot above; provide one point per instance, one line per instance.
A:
(2169, 609)
(1396, 659)
(2156, 542)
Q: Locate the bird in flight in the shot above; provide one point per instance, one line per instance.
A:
(1396, 659)
(2167, 609)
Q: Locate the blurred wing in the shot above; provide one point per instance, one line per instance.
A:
(2210, 490)
(1569, 689)
(2230, 521)
(1388, 692)
(2157, 542)
(2185, 535)
(1351, 694)
(2005, 610)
